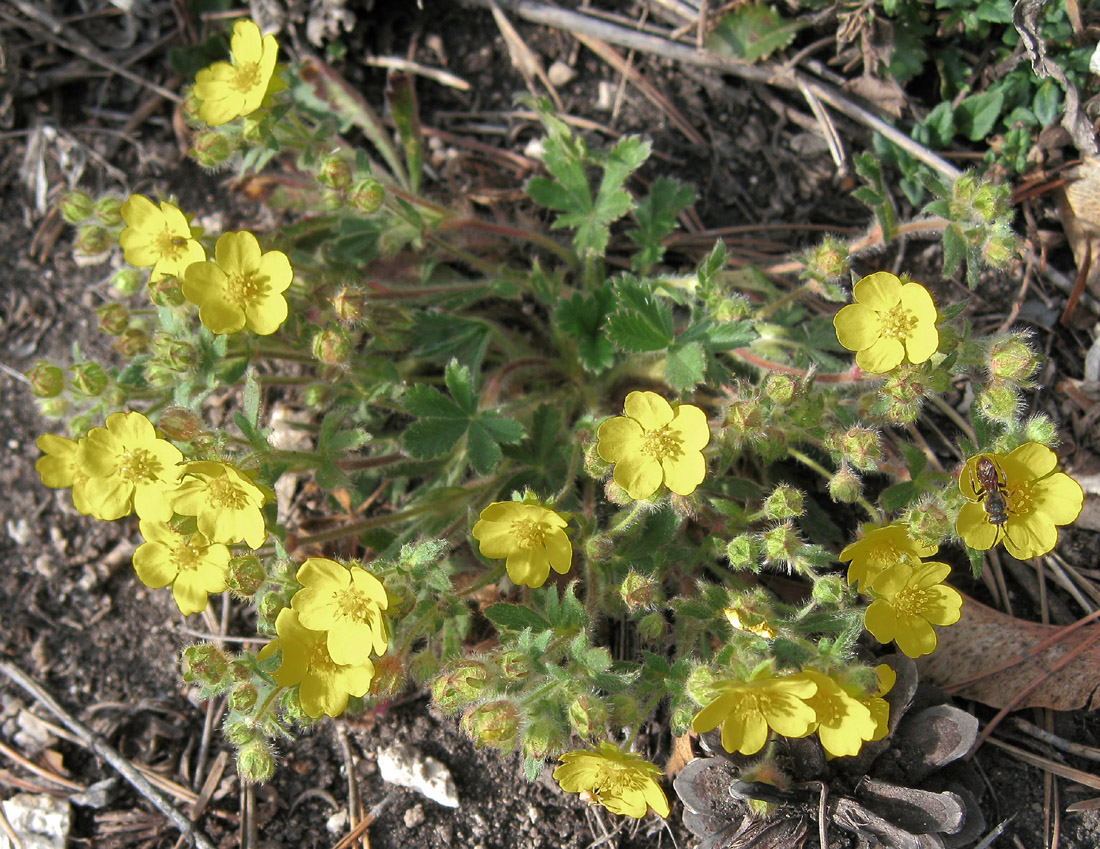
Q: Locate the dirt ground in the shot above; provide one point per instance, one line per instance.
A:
(72, 615)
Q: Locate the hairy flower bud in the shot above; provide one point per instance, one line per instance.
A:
(335, 171)
(127, 281)
(255, 762)
(211, 149)
(615, 494)
(744, 553)
(423, 667)
(999, 249)
(389, 677)
(242, 697)
(998, 402)
(587, 716)
(88, 378)
(700, 685)
(544, 737)
(109, 210)
(76, 206)
(859, 446)
(828, 589)
(494, 724)
(112, 318)
(928, 522)
(180, 423)
(829, 260)
(515, 666)
(349, 303)
(331, 346)
(845, 486)
(599, 547)
(744, 421)
(622, 710)
(1012, 359)
(246, 574)
(462, 682)
(651, 627)
(131, 342)
(782, 543)
(785, 502)
(93, 240)
(205, 664)
(1041, 429)
(165, 292)
(367, 195)
(46, 379)
(781, 389)
(639, 592)
(241, 732)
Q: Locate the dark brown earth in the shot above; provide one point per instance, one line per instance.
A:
(72, 615)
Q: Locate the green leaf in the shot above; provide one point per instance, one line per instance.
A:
(642, 323)
(401, 97)
(899, 495)
(977, 559)
(582, 318)
(434, 437)
(976, 115)
(714, 263)
(914, 458)
(685, 366)
(461, 386)
(656, 215)
(1047, 102)
(941, 124)
(443, 336)
(424, 401)
(251, 400)
(954, 249)
(751, 32)
(514, 617)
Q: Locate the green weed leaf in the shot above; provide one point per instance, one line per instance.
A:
(656, 215)
(642, 323)
(976, 115)
(752, 32)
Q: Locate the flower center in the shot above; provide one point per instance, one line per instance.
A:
(1020, 499)
(138, 466)
(897, 323)
(243, 288)
(886, 554)
(246, 78)
(224, 493)
(911, 601)
(186, 556)
(528, 533)
(318, 660)
(169, 245)
(661, 444)
(613, 781)
(357, 605)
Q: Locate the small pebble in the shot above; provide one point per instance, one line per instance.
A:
(414, 816)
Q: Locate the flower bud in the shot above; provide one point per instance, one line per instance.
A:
(860, 446)
(246, 574)
(242, 697)
(205, 664)
(180, 424)
(131, 342)
(46, 379)
(679, 721)
(112, 318)
(616, 495)
(423, 667)
(109, 210)
(998, 250)
(268, 607)
(651, 627)
(315, 397)
(782, 543)
(367, 195)
(731, 308)
(845, 486)
(744, 421)
(587, 716)
(335, 171)
(599, 547)
(1039, 428)
(76, 206)
(93, 240)
(165, 292)
(389, 677)
(594, 465)
(88, 378)
(127, 281)
(350, 304)
(744, 553)
(781, 389)
(1012, 359)
(639, 592)
(515, 666)
(175, 354)
(241, 732)
(928, 522)
(53, 409)
(291, 707)
(494, 724)
(331, 346)
(462, 682)
(211, 149)
(544, 737)
(255, 762)
(79, 426)
(998, 402)
(828, 589)
(772, 445)
(785, 502)
(829, 260)
(700, 684)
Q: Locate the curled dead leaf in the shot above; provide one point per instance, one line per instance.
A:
(991, 657)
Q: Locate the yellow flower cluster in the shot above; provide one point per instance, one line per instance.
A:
(326, 636)
(842, 714)
(890, 321)
(125, 467)
(908, 594)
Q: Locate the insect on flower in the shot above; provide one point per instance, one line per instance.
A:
(990, 486)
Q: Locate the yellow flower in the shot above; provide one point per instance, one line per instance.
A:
(889, 321)
(746, 709)
(59, 470)
(622, 782)
(879, 548)
(242, 287)
(229, 91)
(908, 602)
(226, 504)
(1034, 500)
(345, 602)
(161, 238)
(654, 444)
(531, 537)
(193, 566)
(754, 624)
(843, 723)
(129, 468)
(879, 707)
(325, 684)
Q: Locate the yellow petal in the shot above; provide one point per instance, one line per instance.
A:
(714, 713)
(690, 423)
(973, 527)
(880, 291)
(684, 473)
(921, 342)
(1028, 462)
(1059, 498)
(639, 475)
(617, 438)
(882, 356)
(857, 327)
(752, 731)
(881, 620)
(560, 551)
(649, 409)
(264, 316)
(916, 300)
(915, 637)
(246, 44)
(1029, 536)
(942, 605)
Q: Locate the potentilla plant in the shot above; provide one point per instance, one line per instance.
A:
(606, 469)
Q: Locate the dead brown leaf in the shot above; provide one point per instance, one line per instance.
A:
(1079, 209)
(991, 657)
